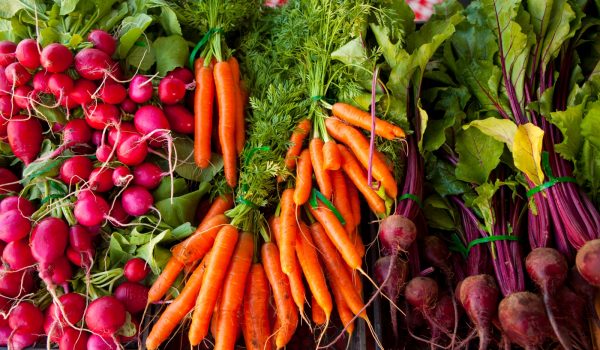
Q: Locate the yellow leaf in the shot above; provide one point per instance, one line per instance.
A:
(527, 152)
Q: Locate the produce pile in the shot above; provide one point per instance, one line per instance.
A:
(211, 169)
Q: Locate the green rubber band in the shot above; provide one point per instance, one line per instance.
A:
(314, 194)
(316, 97)
(254, 150)
(411, 197)
(201, 43)
(243, 200)
(458, 246)
(140, 43)
(552, 180)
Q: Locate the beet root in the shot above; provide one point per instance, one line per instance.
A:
(391, 273)
(523, 319)
(396, 233)
(479, 297)
(588, 262)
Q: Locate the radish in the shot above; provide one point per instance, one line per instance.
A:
(101, 179)
(97, 137)
(148, 175)
(81, 259)
(136, 324)
(60, 84)
(22, 96)
(96, 342)
(21, 340)
(171, 91)
(149, 118)
(16, 74)
(128, 106)
(5, 333)
(103, 41)
(82, 91)
(118, 134)
(104, 153)
(57, 272)
(588, 262)
(121, 176)
(73, 340)
(136, 200)
(182, 74)
(80, 238)
(8, 108)
(91, 210)
(40, 81)
(76, 132)
(17, 255)
(14, 284)
(28, 53)
(7, 52)
(133, 150)
(396, 233)
(112, 93)
(105, 315)
(73, 305)
(21, 204)
(9, 182)
(56, 58)
(523, 319)
(93, 64)
(26, 318)
(479, 296)
(391, 273)
(100, 115)
(5, 87)
(13, 226)
(25, 138)
(118, 214)
(140, 89)
(49, 240)
(180, 119)
(75, 170)
(136, 270)
(133, 296)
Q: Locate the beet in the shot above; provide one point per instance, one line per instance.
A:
(421, 293)
(479, 297)
(396, 233)
(523, 319)
(588, 262)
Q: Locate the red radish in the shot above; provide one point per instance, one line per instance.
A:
(14, 284)
(93, 64)
(421, 293)
(73, 305)
(91, 210)
(49, 240)
(51, 328)
(60, 84)
(150, 118)
(133, 150)
(21, 204)
(101, 179)
(28, 53)
(98, 116)
(76, 132)
(27, 318)
(56, 58)
(180, 119)
(22, 95)
(118, 214)
(588, 262)
(396, 233)
(5, 87)
(82, 91)
(136, 200)
(40, 81)
(171, 91)
(57, 272)
(104, 153)
(13, 226)
(97, 137)
(523, 319)
(103, 41)
(9, 182)
(80, 238)
(8, 108)
(5, 333)
(73, 340)
(21, 340)
(479, 296)
(121, 176)
(17, 255)
(16, 74)
(96, 342)
(112, 93)
(140, 89)
(147, 175)
(105, 315)
(7, 52)
(136, 269)
(128, 106)
(80, 259)
(25, 138)
(182, 74)
(118, 134)
(133, 296)
(76, 169)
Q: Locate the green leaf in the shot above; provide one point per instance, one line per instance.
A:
(570, 125)
(483, 204)
(132, 28)
(141, 57)
(478, 154)
(168, 20)
(187, 168)
(151, 253)
(128, 329)
(48, 36)
(181, 209)
(51, 115)
(354, 54)
(119, 249)
(527, 152)
(441, 176)
(588, 168)
(558, 28)
(502, 130)
(163, 190)
(10, 8)
(110, 20)
(591, 124)
(439, 213)
(171, 52)
(67, 6)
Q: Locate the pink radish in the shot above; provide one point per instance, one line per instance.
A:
(104, 153)
(49, 240)
(149, 118)
(9, 182)
(27, 318)
(182, 74)
(76, 132)
(103, 41)
(105, 315)
(523, 319)
(93, 64)
(81, 259)
(56, 58)
(57, 272)
(97, 138)
(171, 91)
(7, 52)
(82, 91)
(100, 115)
(479, 296)
(180, 119)
(101, 179)
(96, 342)
(133, 296)
(21, 204)
(118, 134)
(73, 340)
(8, 108)
(133, 150)
(148, 175)
(17, 255)
(22, 96)
(91, 210)
(72, 304)
(136, 200)
(21, 340)
(28, 53)
(25, 138)
(16, 74)
(76, 170)
(121, 176)
(60, 84)
(118, 214)
(80, 238)
(128, 106)
(140, 89)
(112, 93)
(13, 226)
(14, 284)
(40, 81)
(136, 269)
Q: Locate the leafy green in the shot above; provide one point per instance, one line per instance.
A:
(527, 151)
(478, 155)
(132, 27)
(181, 209)
(171, 52)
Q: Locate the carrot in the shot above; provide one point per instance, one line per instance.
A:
(240, 123)
(165, 280)
(304, 173)
(219, 206)
(257, 326)
(356, 280)
(341, 199)
(354, 200)
(200, 242)
(318, 315)
(359, 145)
(287, 316)
(311, 267)
(214, 321)
(176, 311)
(316, 157)
(357, 241)
(337, 234)
(358, 176)
(227, 102)
(346, 315)
(336, 269)
(232, 293)
(331, 156)
(204, 98)
(215, 273)
(363, 120)
(296, 140)
(289, 231)
(190, 267)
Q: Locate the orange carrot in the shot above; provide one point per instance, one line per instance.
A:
(200, 242)
(287, 316)
(359, 145)
(304, 173)
(214, 321)
(363, 120)
(337, 234)
(346, 315)
(358, 176)
(219, 206)
(356, 280)
(257, 326)
(204, 97)
(296, 140)
(337, 269)
(311, 267)
(357, 241)
(318, 315)
(354, 200)
(341, 200)
(331, 156)
(240, 123)
(216, 269)
(176, 311)
(165, 280)
(289, 231)
(232, 293)
(190, 267)
(316, 157)
(227, 102)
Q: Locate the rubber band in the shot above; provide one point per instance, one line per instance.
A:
(201, 43)
(458, 246)
(411, 197)
(243, 200)
(140, 43)
(314, 194)
(552, 180)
